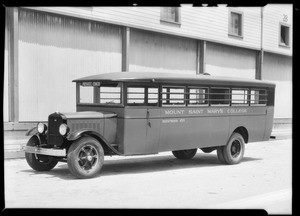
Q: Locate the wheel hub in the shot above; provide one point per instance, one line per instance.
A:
(235, 148)
(89, 158)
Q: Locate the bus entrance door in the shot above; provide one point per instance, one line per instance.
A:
(153, 130)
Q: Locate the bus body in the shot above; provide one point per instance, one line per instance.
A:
(137, 113)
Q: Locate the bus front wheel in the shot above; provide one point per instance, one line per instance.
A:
(185, 154)
(85, 157)
(233, 151)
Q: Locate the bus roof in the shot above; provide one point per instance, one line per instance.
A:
(174, 78)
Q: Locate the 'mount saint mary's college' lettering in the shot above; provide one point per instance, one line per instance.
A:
(205, 111)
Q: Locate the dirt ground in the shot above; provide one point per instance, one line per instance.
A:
(263, 180)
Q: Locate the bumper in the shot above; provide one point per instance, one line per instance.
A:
(45, 151)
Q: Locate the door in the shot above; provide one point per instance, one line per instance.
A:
(153, 130)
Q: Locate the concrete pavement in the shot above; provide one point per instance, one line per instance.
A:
(263, 180)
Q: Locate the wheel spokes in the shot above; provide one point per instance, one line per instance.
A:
(87, 157)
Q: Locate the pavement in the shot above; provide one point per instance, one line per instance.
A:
(263, 180)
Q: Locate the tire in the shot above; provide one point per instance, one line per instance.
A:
(39, 162)
(85, 157)
(234, 150)
(185, 154)
(220, 154)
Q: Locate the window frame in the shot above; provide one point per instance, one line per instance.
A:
(289, 35)
(96, 93)
(230, 30)
(184, 104)
(163, 19)
(188, 99)
(146, 93)
(265, 95)
(219, 87)
(248, 95)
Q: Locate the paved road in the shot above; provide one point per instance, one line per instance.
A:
(261, 181)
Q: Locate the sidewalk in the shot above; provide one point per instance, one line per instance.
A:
(15, 140)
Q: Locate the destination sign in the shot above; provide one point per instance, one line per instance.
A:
(90, 83)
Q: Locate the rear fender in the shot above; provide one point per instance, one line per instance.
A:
(81, 133)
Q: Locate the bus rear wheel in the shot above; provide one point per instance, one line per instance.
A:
(233, 151)
(185, 154)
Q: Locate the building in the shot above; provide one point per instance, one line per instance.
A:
(47, 47)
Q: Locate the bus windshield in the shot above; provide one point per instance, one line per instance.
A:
(105, 94)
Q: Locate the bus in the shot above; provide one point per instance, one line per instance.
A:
(139, 113)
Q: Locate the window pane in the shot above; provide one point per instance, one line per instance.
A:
(86, 94)
(284, 33)
(219, 96)
(170, 14)
(197, 96)
(239, 96)
(152, 95)
(236, 24)
(173, 96)
(110, 95)
(135, 95)
(258, 97)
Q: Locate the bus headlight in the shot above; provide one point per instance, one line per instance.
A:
(63, 129)
(41, 127)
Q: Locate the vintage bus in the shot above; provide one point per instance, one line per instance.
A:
(138, 113)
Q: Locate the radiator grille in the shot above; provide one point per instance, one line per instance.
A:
(54, 137)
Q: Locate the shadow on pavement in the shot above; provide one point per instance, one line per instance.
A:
(142, 165)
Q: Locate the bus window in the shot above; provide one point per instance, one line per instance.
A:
(173, 96)
(135, 95)
(152, 96)
(258, 97)
(219, 96)
(110, 95)
(239, 97)
(198, 96)
(86, 94)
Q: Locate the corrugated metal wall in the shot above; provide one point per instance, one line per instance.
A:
(5, 83)
(54, 50)
(278, 69)
(222, 60)
(161, 53)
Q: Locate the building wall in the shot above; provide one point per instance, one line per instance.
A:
(274, 15)
(161, 53)
(222, 60)
(278, 69)
(204, 23)
(5, 76)
(55, 50)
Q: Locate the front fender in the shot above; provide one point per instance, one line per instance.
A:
(32, 131)
(82, 132)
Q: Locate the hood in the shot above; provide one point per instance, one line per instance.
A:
(89, 115)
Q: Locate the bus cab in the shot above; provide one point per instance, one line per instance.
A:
(138, 113)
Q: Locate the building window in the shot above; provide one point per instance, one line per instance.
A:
(284, 37)
(170, 14)
(236, 24)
